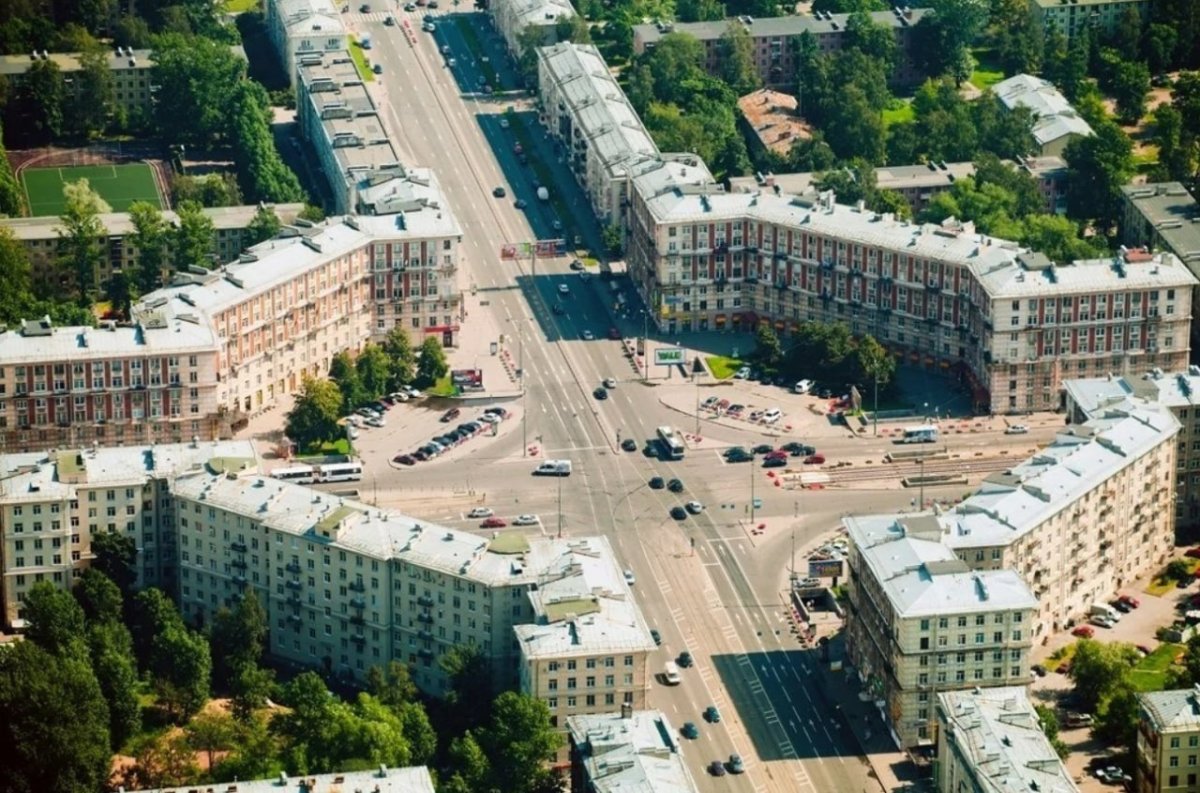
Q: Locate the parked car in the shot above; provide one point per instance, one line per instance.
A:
(404, 459)
(480, 512)
(376, 421)
(763, 448)
(738, 456)
(690, 730)
(526, 520)
(712, 715)
(694, 507)
(1129, 600)
(685, 659)
(495, 410)
(656, 636)
(493, 523)
(499, 192)
(736, 766)
(778, 454)
(1016, 429)
(678, 513)
(711, 402)
(587, 335)
(630, 578)
(1038, 670)
(1084, 632)
(1101, 621)
(675, 486)
(814, 459)
(775, 462)
(743, 373)
(716, 768)
(629, 445)
(657, 483)
(610, 382)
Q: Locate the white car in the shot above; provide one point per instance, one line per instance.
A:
(399, 396)
(629, 578)
(354, 420)
(610, 382)
(694, 507)
(413, 393)
(504, 123)
(351, 433)
(480, 512)
(490, 418)
(526, 520)
(563, 289)
(588, 335)
(1016, 429)
(743, 373)
(376, 421)
(803, 387)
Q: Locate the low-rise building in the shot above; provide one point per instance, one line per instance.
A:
(775, 39)
(301, 29)
(1055, 122)
(52, 505)
(42, 238)
(1178, 392)
(921, 621)
(415, 779)
(133, 86)
(772, 120)
(626, 750)
(513, 18)
(1162, 216)
(1168, 741)
(1072, 16)
(991, 739)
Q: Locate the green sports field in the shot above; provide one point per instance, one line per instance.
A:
(119, 185)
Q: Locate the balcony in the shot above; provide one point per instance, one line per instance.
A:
(358, 619)
(358, 603)
(425, 600)
(239, 563)
(293, 567)
(425, 634)
(358, 639)
(293, 584)
(238, 547)
(425, 617)
(358, 586)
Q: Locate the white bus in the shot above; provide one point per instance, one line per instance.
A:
(924, 434)
(300, 474)
(672, 447)
(339, 472)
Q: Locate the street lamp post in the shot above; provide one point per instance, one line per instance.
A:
(752, 461)
(560, 507)
(645, 345)
(875, 415)
(696, 383)
(921, 463)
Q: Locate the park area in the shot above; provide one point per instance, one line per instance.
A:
(118, 185)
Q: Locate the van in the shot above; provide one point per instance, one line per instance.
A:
(554, 468)
(773, 415)
(671, 674)
(1104, 610)
(802, 387)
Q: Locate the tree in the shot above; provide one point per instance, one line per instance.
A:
(432, 365)
(151, 614)
(345, 375)
(1131, 84)
(1117, 716)
(165, 761)
(1098, 669)
(55, 620)
(614, 240)
(149, 239)
(402, 360)
(249, 690)
(94, 96)
(180, 669)
(1048, 719)
(262, 174)
(255, 754)
(945, 36)
(871, 39)
(573, 28)
(315, 413)
(210, 732)
(1057, 237)
(1176, 153)
(55, 725)
(1158, 47)
(12, 197)
(116, 557)
(1097, 167)
(767, 348)
(874, 361)
(79, 236)
(699, 10)
(520, 741)
(854, 128)
(374, 368)
(313, 214)
(34, 116)
(237, 639)
(16, 275)
(737, 59)
(99, 597)
(470, 687)
(120, 294)
(200, 76)
(111, 651)
(264, 225)
(194, 237)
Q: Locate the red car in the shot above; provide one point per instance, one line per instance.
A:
(778, 454)
(1130, 600)
(1084, 632)
(450, 415)
(493, 523)
(814, 459)
(1193, 552)
(404, 459)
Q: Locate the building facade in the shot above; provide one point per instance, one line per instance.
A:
(302, 28)
(41, 238)
(512, 18)
(626, 750)
(414, 779)
(1071, 16)
(775, 40)
(1168, 741)
(133, 87)
(992, 739)
(921, 621)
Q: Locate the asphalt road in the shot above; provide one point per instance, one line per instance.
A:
(706, 582)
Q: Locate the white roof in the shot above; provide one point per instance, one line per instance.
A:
(1025, 278)
(539, 12)
(923, 577)
(629, 754)
(1054, 117)
(1177, 710)
(120, 224)
(415, 779)
(582, 605)
(998, 736)
(1096, 395)
(304, 17)
(39, 341)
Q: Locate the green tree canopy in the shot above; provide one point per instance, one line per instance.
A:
(55, 619)
(315, 413)
(1099, 669)
(116, 557)
(200, 76)
(402, 359)
(237, 639)
(1098, 166)
(149, 239)
(264, 225)
(374, 369)
(94, 94)
(432, 365)
(737, 59)
(194, 237)
(99, 597)
(343, 373)
(112, 659)
(80, 251)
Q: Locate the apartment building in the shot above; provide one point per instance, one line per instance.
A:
(41, 238)
(513, 17)
(133, 87)
(1055, 122)
(775, 40)
(586, 649)
(154, 380)
(1168, 741)
(1162, 216)
(992, 739)
(1178, 392)
(302, 28)
(414, 779)
(1071, 16)
(921, 622)
(53, 503)
(629, 750)
(337, 116)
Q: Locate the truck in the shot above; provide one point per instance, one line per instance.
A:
(543, 194)
(553, 468)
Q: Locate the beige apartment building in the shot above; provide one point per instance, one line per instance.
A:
(413, 779)
(133, 88)
(41, 238)
(53, 503)
(303, 28)
(1168, 741)
(627, 750)
(1178, 392)
(991, 739)
(921, 621)
(1071, 16)
(775, 39)
(513, 17)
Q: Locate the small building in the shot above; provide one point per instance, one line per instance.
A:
(1055, 122)
(130, 68)
(772, 121)
(1072, 16)
(1162, 216)
(303, 28)
(1168, 737)
(415, 779)
(513, 17)
(990, 739)
(626, 751)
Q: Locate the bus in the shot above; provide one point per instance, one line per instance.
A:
(339, 472)
(300, 474)
(926, 433)
(672, 447)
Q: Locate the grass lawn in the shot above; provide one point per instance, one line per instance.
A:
(1060, 657)
(443, 388)
(722, 366)
(340, 446)
(238, 6)
(1161, 586)
(987, 71)
(1150, 673)
(118, 185)
(360, 60)
(897, 112)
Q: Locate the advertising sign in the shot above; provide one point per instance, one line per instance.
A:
(467, 379)
(669, 356)
(826, 568)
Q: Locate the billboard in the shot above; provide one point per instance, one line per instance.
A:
(826, 568)
(669, 356)
(467, 379)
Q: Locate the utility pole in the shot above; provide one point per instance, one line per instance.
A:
(696, 383)
(560, 507)
(921, 462)
(645, 345)
(524, 412)
(875, 416)
(752, 461)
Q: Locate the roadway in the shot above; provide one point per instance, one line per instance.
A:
(707, 583)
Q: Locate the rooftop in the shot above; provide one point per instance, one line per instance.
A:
(120, 224)
(381, 780)
(1095, 395)
(349, 118)
(69, 61)
(539, 12)
(890, 177)
(304, 17)
(1177, 710)
(1053, 115)
(582, 605)
(922, 576)
(788, 26)
(772, 116)
(1174, 214)
(40, 341)
(629, 753)
(997, 734)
